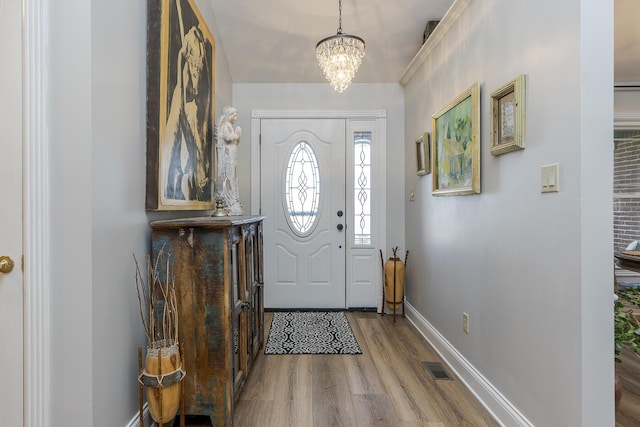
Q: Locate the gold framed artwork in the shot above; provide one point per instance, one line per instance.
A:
(508, 117)
(456, 145)
(423, 154)
(180, 107)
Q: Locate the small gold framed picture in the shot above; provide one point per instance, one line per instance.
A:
(508, 117)
(423, 154)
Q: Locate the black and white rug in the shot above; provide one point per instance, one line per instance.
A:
(311, 332)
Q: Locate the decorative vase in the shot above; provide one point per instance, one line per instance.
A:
(394, 282)
(162, 376)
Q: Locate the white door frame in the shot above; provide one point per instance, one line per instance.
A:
(377, 115)
(35, 142)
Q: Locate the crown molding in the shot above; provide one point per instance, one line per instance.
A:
(434, 39)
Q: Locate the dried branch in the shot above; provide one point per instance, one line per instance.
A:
(158, 291)
(140, 288)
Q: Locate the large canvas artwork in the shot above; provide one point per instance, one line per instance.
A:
(180, 107)
(456, 145)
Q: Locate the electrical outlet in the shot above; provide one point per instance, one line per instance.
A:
(465, 323)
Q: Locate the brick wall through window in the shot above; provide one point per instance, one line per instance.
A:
(626, 188)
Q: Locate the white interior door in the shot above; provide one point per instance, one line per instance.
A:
(11, 299)
(303, 199)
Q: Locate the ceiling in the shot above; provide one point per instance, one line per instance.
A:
(273, 41)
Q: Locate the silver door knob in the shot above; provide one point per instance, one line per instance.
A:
(6, 264)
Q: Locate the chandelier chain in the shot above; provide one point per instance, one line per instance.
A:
(340, 16)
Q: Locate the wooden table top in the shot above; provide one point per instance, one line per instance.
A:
(629, 260)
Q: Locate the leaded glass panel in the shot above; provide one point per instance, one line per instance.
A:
(302, 188)
(362, 188)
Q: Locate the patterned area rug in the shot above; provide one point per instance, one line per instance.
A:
(311, 332)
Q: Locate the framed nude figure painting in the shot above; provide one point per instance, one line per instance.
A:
(180, 107)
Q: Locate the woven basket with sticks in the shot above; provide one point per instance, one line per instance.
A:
(162, 373)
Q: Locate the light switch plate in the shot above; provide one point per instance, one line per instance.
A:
(550, 178)
(412, 196)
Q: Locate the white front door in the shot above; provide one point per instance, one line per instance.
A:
(303, 199)
(11, 300)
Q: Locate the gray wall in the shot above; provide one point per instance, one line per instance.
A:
(71, 187)
(532, 270)
(537, 268)
(98, 155)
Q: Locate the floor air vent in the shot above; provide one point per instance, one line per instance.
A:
(437, 371)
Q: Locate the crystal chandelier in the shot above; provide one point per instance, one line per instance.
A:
(340, 56)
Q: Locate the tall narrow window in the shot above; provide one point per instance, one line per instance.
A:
(302, 189)
(362, 188)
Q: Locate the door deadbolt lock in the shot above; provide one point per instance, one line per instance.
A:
(340, 213)
(6, 264)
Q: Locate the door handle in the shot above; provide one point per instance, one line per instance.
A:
(6, 264)
(340, 227)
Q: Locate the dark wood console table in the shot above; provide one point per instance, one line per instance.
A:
(218, 275)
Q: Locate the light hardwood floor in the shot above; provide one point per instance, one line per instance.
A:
(387, 385)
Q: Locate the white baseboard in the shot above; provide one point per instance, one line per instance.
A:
(135, 421)
(501, 409)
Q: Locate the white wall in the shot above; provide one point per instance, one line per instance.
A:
(98, 149)
(247, 97)
(534, 271)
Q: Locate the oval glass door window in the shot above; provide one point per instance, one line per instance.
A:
(302, 189)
